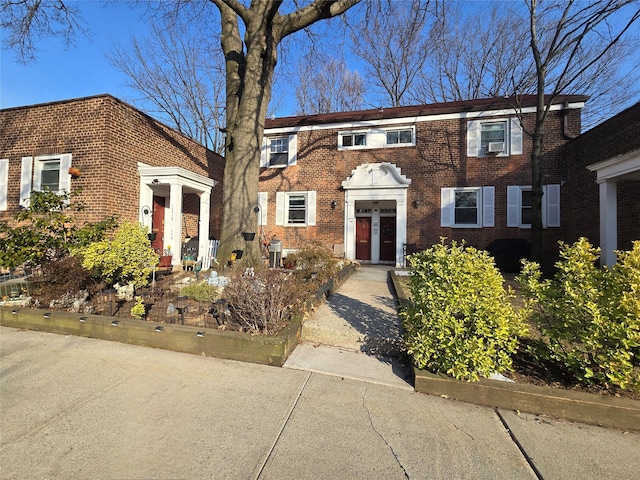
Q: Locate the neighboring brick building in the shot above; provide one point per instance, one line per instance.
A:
(369, 182)
(130, 165)
(603, 184)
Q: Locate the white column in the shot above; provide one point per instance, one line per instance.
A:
(175, 235)
(608, 222)
(203, 227)
(350, 228)
(401, 227)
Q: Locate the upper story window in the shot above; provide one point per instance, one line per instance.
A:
(400, 137)
(353, 139)
(494, 138)
(279, 151)
(467, 207)
(377, 138)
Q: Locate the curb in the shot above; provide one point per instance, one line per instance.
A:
(589, 408)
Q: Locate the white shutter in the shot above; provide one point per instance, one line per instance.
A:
(280, 204)
(311, 208)
(263, 198)
(551, 205)
(65, 177)
(515, 138)
(264, 157)
(293, 149)
(25, 181)
(488, 199)
(4, 182)
(473, 138)
(446, 207)
(513, 206)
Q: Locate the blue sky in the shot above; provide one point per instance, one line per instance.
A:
(80, 70)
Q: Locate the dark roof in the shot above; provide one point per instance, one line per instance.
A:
(477, 105)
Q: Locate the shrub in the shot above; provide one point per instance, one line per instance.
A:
(201, 292)
(589, 316)
(265, 302)
(46, 231)
(138, 310)
(128, 258)
(460, 321)
(315, 257)
(63, 277)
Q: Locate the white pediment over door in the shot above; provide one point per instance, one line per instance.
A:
(376, 175)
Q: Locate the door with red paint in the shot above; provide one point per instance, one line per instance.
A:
(158, 224)
(363, 238)
(388, 239)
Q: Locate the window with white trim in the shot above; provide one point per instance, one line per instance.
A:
(353, 139)
(377, 138)
(467, 207)
(494, 137)
(400, 137)
(279, 151)
(519, 206)
(296, 209)
(44, 172)
(4, 182)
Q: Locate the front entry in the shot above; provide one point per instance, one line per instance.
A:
(388, 239)
(158, 224)
(363, 238)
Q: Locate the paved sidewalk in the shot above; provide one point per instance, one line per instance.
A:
(79, 408)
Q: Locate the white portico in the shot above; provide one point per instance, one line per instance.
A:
(609, 173)
(375, 213)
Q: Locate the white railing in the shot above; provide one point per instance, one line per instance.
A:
(210, 254)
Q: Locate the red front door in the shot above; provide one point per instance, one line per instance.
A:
(363, 238)
(158, 224)
(388, 239)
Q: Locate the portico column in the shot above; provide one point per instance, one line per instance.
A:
(176, 222)
(608, 222)
(203, 228)
(401, 227)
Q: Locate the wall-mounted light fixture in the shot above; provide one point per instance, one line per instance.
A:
(416, 203)
(334, 204)
(155, 181)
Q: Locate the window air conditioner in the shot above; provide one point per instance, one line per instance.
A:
(495, 147)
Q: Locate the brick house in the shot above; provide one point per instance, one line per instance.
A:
(603, 184)
(123, 161)
(370, 182)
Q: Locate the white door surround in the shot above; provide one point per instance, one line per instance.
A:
(370, 183)
(172, 183)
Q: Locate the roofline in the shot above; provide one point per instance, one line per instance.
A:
(115, 99)
(457, 109)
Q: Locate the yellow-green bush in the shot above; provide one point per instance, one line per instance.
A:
(460, 321)
(127, 258)
(590, 316)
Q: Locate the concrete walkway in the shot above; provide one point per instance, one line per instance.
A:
(356, 333)
(79, 408)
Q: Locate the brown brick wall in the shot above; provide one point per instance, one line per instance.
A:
(616, 136)
(438, 160)
(106, 138)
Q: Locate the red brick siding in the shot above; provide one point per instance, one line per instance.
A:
(438, 160)
(581, 218)
(106, 138)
